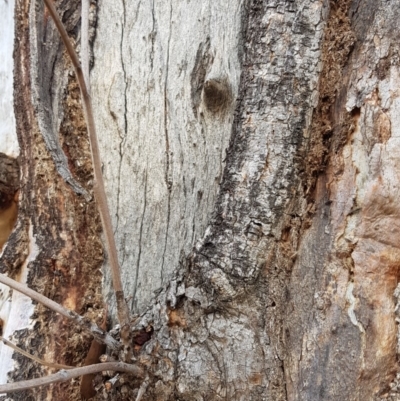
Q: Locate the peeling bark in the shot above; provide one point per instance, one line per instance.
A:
(55, 247)
(341, 323)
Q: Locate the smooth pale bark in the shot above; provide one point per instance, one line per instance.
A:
(251, 156)
(163, 151)
(8, 136)
(21, 306)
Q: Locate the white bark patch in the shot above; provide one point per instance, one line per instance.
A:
(8, 136)
(15, 310)
(350, 310)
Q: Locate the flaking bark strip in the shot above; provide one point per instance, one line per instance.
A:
(46, 98)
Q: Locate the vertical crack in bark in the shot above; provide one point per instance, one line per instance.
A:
(153, 35)
(125, 116)
(140, 242)
(168, 155)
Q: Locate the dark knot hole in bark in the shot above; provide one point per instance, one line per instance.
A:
(216, 95)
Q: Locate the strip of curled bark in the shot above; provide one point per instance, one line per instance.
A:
(99, 334)
(65, 375)
(99, 191)
(33, 357)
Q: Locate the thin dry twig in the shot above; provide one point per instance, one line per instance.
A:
(33, 357)
(99, 191)
(65, 375)
(99, 334)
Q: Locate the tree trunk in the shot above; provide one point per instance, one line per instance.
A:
(251, 162)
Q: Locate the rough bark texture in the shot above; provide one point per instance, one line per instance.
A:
(341, 327)
(251, 156)
(218, 333)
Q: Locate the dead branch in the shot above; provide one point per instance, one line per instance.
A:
(33, 357)
(99, 334)
(99, 191)
(65, 375)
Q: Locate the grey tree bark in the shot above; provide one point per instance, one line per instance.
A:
(252, 167)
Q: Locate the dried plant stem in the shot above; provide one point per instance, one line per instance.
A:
(33, 357)
(99, 334)
(99, 191)
(65, 375)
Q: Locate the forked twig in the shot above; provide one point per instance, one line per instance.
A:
(99, 191)
(65, 375)
(86, 324)
(33, 357)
